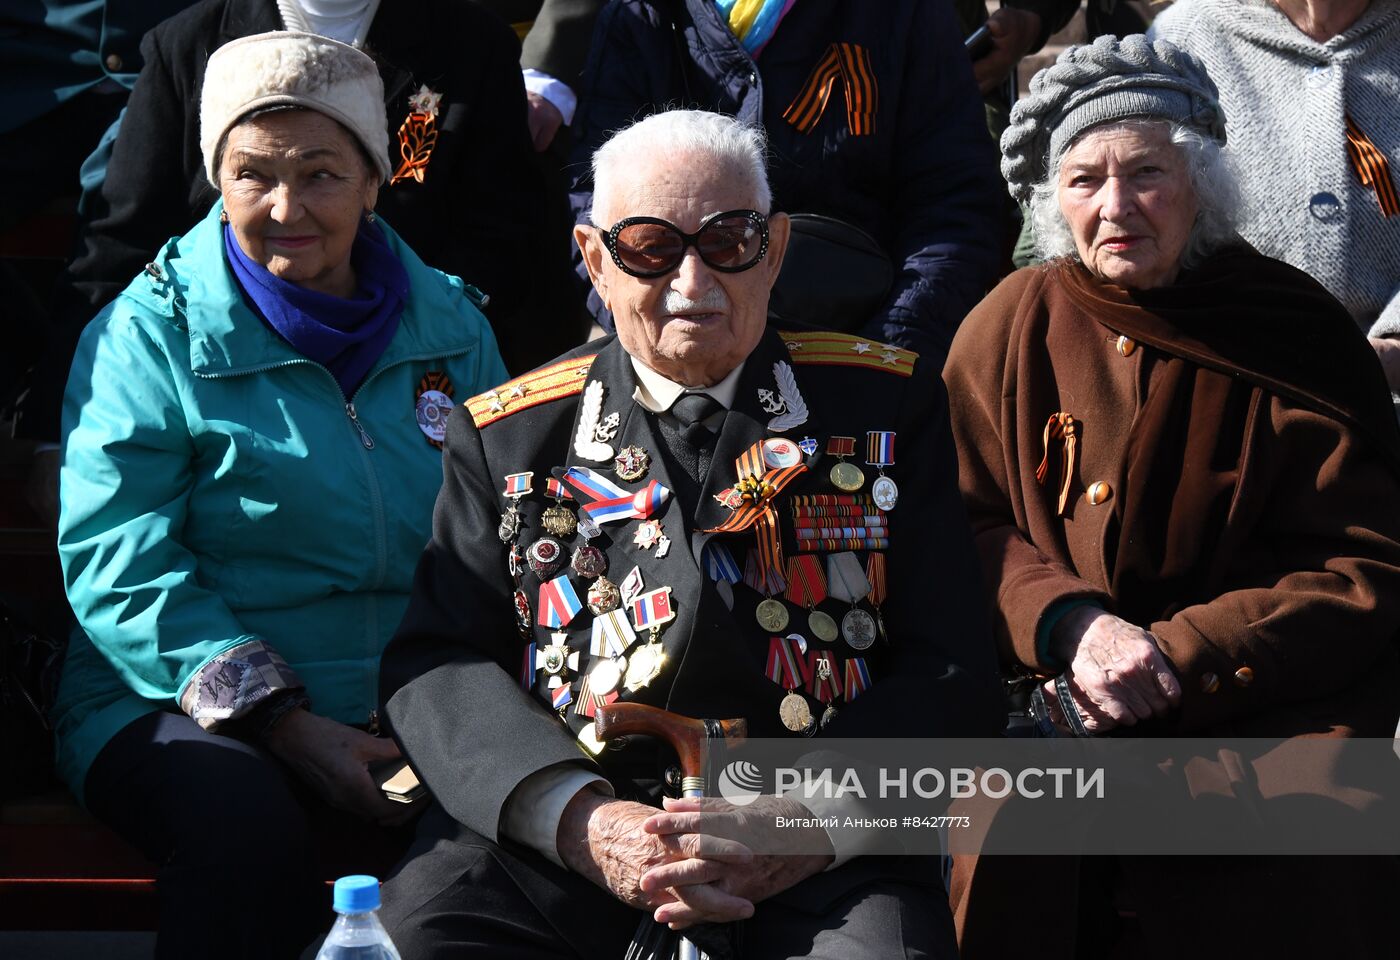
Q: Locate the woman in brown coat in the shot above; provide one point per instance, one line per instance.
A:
(1183, 472)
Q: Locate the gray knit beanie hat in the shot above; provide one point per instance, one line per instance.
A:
(1102, 82)
(292, 69)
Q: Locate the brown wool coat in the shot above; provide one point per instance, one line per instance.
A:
(1248, 530)
(1248, 514)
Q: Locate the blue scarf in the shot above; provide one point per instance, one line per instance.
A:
(344, 336)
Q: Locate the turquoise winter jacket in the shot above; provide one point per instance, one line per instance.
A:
(220, 492)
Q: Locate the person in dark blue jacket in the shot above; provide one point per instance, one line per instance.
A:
(872, 117)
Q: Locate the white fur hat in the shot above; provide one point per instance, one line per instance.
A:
(288, 68)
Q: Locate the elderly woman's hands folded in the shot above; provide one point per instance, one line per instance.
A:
(335, 760)
(1116, 674)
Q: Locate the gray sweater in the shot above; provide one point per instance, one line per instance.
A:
(1284, 96)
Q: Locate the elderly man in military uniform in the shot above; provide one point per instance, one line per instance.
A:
(700, 514)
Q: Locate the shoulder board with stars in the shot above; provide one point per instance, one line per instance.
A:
(842, 349)
(563, 379)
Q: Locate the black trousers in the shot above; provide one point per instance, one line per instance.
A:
(459, 895)
(241, 843)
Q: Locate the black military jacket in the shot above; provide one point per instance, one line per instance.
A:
(451, 677)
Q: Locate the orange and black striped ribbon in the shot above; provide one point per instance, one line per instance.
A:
(849, 62)
(758, 513)
(875, 573)
(1060, 426)
(417, 137)
(1372, 168)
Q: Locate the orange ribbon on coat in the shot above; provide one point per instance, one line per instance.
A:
(417, 138)
(756, 489)
(1060, 426)
(850, 62)
(1372, 168)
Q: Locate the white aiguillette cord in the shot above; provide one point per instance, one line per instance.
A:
(845, 569)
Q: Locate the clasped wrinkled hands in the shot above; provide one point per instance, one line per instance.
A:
(696, 860)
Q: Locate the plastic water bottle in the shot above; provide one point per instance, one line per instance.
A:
(357, 933)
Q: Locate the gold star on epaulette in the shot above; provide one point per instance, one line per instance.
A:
(563, 379)
(823, 348)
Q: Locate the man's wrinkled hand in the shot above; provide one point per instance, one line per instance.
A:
(1117, 675)
(1014, 33)
(731, 854)
(602, 839)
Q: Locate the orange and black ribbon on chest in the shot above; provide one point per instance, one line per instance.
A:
(1063, 427)
(1372, 168)
(850, 63)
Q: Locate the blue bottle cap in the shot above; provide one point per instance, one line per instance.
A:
(357, 894)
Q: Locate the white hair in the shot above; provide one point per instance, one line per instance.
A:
(681, 133)
(1211, 176)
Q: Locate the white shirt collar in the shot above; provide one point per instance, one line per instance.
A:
(656, 394)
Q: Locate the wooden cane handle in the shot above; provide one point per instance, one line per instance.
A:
(686, 735)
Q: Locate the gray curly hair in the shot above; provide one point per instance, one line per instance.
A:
(1212, 179)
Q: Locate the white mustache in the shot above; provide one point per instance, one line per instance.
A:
(713, 301)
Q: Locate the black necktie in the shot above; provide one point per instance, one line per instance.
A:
(691, 411)
(689, 440)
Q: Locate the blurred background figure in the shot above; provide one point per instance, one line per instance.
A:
(253, 434)
(555, 38)
(877, 137)
(1312, 90)
(66, 68)
(464, 191)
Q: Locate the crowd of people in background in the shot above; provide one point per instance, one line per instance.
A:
(1208, 192)
(497, 174)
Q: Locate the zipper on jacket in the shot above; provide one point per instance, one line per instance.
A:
(365, 438)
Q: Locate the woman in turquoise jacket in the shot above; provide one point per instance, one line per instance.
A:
(252, 452)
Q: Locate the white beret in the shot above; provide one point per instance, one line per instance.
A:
(288, 68)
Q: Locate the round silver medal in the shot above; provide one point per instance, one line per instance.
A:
(885, 492)
(858, 627)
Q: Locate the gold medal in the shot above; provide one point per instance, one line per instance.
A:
(559, 521)
(823, 627)
(847, 476)
(645, 666)
(772, 615)
(795, 713)
(603, 597)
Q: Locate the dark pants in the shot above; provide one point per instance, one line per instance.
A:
(238, 839)
(458, 895)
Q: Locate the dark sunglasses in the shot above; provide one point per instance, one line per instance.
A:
(729, 242)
